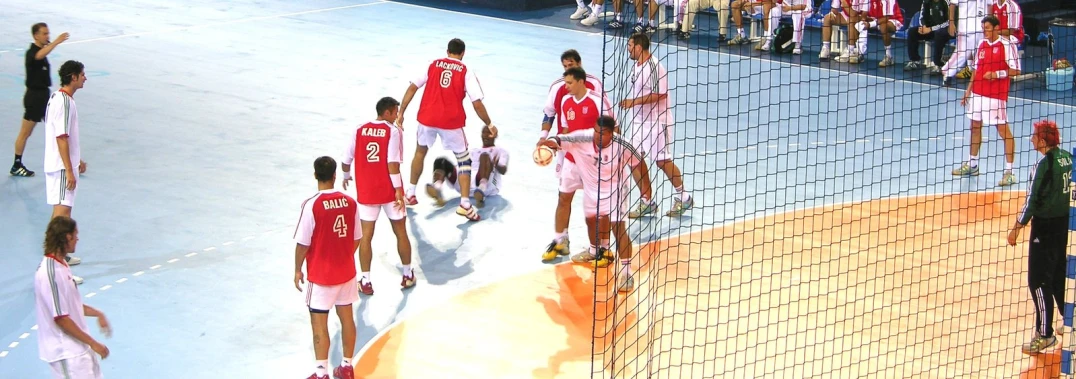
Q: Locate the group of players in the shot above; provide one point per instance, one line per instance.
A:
(593, 158)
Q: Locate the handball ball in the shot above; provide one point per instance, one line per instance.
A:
(543, 155)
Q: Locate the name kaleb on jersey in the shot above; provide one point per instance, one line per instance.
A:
(334, 203)
(373, 133)
(450, 66)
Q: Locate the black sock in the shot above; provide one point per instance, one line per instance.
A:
(18, 159)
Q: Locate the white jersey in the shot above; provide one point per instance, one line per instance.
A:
(61, 119)
(602, 170)
(971, 13)
(648, 78)
(56, 295)
(496, 154)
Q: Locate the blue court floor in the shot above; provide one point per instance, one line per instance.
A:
(200, 122)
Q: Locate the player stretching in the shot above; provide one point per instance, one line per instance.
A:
(37, 90)
(326, 239)
(650, 119)
(996, 63)
(62, 151)
(492, 165)
(441, 115)
(579, 110)
(380, 187)
(602, 157)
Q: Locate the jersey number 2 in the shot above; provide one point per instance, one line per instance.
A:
(340, 226)
(446, 78)
(371, 152)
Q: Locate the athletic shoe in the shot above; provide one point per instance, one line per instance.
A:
(651, 29)
(580, 13)
(469, 213)
(344, 372)
(625, 284)
(73, 261)
(966, 73)
(605, 258)
(434, 193)
(590, 20)
(680, 207)
(315, 376)
(408, 280)
(797, 51)
(763, 45)
(824, 54)
(20, 170)
(639, 28)
(616, 24)
(1038, 344)
(966, 170)
(935, 70)
(554, 249)
(856, 58)
(887, 61)
(683, 36)
(1007, 180)
(479, 198)
(583, 257)
(739, 40)
(366, 287)
(643, 209)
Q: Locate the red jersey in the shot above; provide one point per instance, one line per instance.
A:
(1011, 18)
(582, 114)
(328, 227)
(992, 57)
(558, 90)
(885, 8)
(442, 103)
(373, 146)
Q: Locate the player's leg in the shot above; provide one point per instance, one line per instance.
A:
(1056, 246)
(34, 102)
(975, 114)
(367, 220)
(17, 168)
(581, 11)
(570, 182)
(643, 140)
(482, 175)
(319, 299)
(443, 170)
(590, 210)
(887, 29)
(798, 22)
(690, 10)
(596, 8)
(425, 136)
(347, 295)
(832, 20)
(625, 283)
(771, 17)
(456, 141)
(1038, 271)
(738, 7)
(62, 201)
(996, 110)
(398, 220)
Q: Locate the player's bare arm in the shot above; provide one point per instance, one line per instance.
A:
(397, 183)
(480, 109)
(300, 257)
(102, 321)
(346, 168)
(45, 50)
(410, 94)
(71, 329)
(65, 155)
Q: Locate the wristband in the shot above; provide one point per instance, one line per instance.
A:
(543, 134)
(397, 180)
(1001, 73)
(347, 175)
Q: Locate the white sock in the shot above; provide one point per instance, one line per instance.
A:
(438, 183)
(616, 16)
(410, 190)
(605, 244)
(593, 250)
(740, 30)
(580, 3)
(366, 276)
(321, 367)
(597, 9)
(625, 267)
(683, 195)
(862, 43)
(559, 237)
(465, 202)
(1008, 166)
(973, 161)
(407, 270)
(889, 51)
(347, 361)
(654, 23)
(640, 20)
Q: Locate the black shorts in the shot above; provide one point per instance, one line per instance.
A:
(36, 100)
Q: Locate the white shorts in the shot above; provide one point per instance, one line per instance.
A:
(614, 205)
(56, 192)
(652, 141)
(84, 366)
(371, 212)
(896, 24)
(453, 140)
(989, 110)
(570, 179)
(324, 298)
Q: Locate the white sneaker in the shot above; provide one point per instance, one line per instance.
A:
(797, 51)
(579, 13)
(824, 55)
(590, 20)
(78, 279)
(73, 261)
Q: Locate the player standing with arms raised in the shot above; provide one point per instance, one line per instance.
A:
(651, 119)
(986, 97)
(603, 158)
(1047, 209)
(326, 239)
(579, 109)
(63, 339)
(36, 98)
(379, 186)
(441, 115)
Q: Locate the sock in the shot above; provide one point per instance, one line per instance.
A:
(597, 8)
(1008, 166)
(407, 270)
(593, 250)
(410, 190)
(465, 202)
(438, 183)
(825, 45)
(616, 16)
(683, 195)
(321, 368)
(605, 244)
(366, 276)
(654, 23)
(973, 161)
(483, 184)
(862, 43)
(347, 361)
(559, 237)
(740, 30)
(580, 3)
(640, 21)
(625, 267)
(889, 51)
(18, 159)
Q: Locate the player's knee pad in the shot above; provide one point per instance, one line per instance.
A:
(464, 162)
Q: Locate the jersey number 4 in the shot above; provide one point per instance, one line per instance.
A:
(372, 149)
(340, 226)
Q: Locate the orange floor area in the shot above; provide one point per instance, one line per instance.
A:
(907, 287)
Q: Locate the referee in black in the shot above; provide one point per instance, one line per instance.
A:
(1047, 208)
(37, 94)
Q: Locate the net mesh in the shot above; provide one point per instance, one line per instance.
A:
(829, 235)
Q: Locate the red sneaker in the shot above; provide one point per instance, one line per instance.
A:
(408, 280)
(344, 372)
(315, 376)
(366, 287)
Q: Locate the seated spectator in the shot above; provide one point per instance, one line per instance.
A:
(800, 11)
(934, 20)
(753, 7)
(842, 13)
(690, 8)
(649, 28)
(596, 7)
(884, 15)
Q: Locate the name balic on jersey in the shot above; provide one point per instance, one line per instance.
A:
(449, 66)
(334, 203)
(373, 132)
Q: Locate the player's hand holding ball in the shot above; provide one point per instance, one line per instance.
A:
(543, 153)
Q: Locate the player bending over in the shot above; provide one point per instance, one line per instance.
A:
(605, 162)
(325, 239)
(492, 164)
(380, 187)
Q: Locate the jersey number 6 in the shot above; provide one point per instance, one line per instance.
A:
(446, 78)
(340, 226)
(371, 152)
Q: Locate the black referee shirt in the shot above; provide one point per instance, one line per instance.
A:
(37, 71)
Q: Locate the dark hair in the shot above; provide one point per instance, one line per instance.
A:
(607, 122)
(34, 29)
(385, 104)
(56, 234)
(69, 70)
(324, 169)
(993, 20)
(576, 73)
(572, 55)
(1046, 130)
(456, 46)
(640, 39)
